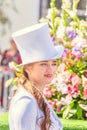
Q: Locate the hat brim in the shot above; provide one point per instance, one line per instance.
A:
(59, 50)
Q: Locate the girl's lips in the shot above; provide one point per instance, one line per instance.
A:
(48, 75)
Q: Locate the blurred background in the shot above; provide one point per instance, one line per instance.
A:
(15, 15)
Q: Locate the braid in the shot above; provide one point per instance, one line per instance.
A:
(46, 122)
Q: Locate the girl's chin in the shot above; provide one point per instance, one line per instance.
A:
(48, 82)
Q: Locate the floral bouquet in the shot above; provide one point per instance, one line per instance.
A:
(67, 93)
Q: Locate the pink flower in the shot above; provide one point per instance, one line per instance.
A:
(85, 74)
(61, 67)
(52, 91)
(75, 80)
(84, 82)
(73, 91)
(85, 93)
(66, 52)
(59, 108)
(60, 40)
(52, 104)
(85, 114)
(69, 89)
(49, 92)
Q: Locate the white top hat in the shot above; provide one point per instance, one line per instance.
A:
(35, 44)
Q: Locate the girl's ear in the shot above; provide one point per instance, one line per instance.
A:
(27, 69)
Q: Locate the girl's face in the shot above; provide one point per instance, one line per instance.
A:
(41, 73)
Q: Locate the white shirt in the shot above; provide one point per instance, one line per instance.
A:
(24, 112)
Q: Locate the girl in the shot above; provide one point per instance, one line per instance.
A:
(29, 109)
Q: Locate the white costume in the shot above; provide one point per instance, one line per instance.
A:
(24, 113)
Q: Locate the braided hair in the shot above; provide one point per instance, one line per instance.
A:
(45, 122)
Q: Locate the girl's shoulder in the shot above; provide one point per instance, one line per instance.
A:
(23, 96)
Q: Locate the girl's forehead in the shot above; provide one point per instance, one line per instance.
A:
(35, 63)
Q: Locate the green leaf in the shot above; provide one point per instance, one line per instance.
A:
(79, 112)
(66, 111)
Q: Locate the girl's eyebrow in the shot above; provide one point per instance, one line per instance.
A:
(48, 61)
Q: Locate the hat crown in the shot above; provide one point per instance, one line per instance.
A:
(34, 43)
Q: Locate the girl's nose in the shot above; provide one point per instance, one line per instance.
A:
(51, 67)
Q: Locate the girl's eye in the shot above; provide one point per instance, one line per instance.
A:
(54, 64)
(43, 64)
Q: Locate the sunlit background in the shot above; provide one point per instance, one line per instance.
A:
(17, 14)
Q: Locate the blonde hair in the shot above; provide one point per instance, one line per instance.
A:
(46, 122)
